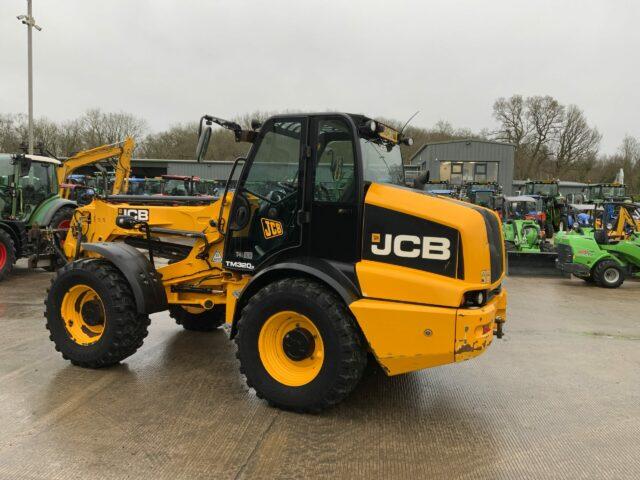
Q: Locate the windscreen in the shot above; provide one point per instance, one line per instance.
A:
(546, 189)
(613, 191)
(381, 163)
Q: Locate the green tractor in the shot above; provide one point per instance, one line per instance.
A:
(32, 214)
(485, 194)
(607, 252)
(528, 251)
(607, 192)
(553, 203)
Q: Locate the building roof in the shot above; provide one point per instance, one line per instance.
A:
(462, 140)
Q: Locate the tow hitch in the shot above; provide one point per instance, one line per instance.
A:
(498, 331)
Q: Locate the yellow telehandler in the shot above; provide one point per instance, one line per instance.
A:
(317, 256)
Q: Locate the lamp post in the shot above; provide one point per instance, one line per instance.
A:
(30, 22)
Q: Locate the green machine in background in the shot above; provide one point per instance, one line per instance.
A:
(485, 194)
(29, 205)
(553, 203)
(528, 251)
(606, 253)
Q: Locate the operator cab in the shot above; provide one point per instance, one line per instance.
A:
(25, 182)
(303, 167)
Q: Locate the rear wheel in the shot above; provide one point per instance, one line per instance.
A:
(62, 220)
(198, 319)
(299, 347)
(91, 314)
(7, 254)
(608, 274)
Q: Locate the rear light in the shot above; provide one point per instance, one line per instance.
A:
(474, 298)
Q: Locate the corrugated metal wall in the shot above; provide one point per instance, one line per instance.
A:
(207, 170)
(469, 151)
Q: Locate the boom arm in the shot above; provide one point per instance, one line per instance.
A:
(122, 150)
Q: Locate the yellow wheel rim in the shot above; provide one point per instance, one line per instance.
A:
(83, 314)
(291, 348)
(193, 310)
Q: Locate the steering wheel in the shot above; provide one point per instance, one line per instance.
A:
(287, 186)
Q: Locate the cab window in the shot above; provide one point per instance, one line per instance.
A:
(334, 179)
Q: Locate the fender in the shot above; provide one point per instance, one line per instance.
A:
(332, 274)
(144, 281)
(55, 205)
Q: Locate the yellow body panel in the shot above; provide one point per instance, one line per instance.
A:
(452, 213)
(396, 333)
(407, 337)
(403, 284)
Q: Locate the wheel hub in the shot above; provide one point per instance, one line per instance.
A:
(298, 344)
(92, 313)
(611, 275)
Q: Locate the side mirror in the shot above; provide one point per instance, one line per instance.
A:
(421, 180)
(203, 143)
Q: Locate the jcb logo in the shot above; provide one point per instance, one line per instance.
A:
(411, 246)
(140, 214)
(271, 228)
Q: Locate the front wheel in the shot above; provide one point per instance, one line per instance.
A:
(299, 347)
(608, 274)
(91, 314)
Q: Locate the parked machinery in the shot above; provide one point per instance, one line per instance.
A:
(553, 203)
(117, 155)
(485, 194)
(528, 251)
(314, 260)
(608, 251)
(31, 211)
(607, 192)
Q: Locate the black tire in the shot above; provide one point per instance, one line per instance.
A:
(206, 321)
(7, 254)
(588, 279)
(124, 328)
(64, 214)
(608, 274)
(344, 355)
(549, 230)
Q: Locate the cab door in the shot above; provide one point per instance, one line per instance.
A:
(268, 201)
(334, 191)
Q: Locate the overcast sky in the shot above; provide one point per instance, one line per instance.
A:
(170, 61)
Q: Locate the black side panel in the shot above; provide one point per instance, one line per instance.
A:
(144, 280)
(401, 239)
(496, 245)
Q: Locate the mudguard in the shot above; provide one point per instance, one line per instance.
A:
(335, 275)
(43, 217)
(145, 282)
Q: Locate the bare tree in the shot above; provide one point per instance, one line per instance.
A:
(576, 141)
(544, 118)
(102, 128)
